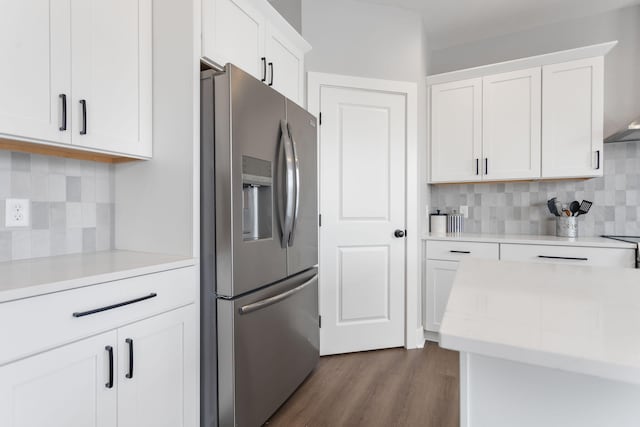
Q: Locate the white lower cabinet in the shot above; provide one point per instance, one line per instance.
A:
(440, 275)
(120, 353)
(139, 375)
(65, 387)
(156, 387)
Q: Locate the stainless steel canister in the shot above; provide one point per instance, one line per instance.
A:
(455, 223)
(567, 226)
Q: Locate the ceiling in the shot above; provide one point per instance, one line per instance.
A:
(451, 22)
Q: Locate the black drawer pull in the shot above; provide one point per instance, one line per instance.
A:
(130, 373)
(460, 252)
(83, 129)
(563, 257)
(109, 350)
(111, 307)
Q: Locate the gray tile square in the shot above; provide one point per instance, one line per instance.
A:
(40, 215)
(20, 162)
(89, 240)
(74, 189)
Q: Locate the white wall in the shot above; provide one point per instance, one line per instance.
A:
(360, 39)
(154, 200)
(291, 10)
(622, 65)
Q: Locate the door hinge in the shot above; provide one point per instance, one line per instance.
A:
(319, 220)
(319, 321)
(320, 119)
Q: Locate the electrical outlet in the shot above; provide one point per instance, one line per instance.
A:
(17, 213)
(464, 210)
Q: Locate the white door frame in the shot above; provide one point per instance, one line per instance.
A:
(414, 336)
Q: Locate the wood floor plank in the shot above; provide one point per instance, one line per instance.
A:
(394, 387)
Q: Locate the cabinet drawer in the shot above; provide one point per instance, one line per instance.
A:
(602, 257)
(457, 251)
(36, 324)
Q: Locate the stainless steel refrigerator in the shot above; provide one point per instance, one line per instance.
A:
(259, 222)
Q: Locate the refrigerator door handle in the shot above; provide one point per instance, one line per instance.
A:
(245, 309)
(296, 208)
(289, 184)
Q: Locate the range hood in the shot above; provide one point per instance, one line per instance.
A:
(630, 134)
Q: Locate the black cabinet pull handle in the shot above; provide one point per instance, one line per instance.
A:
(563, 257)
(486, 166)
(264, 69)
(109, 350)
(83, 104)
(477, 166)
(597, 159)
(111, 307)
(271, 77)
(399, 233)
(460, 252)
(63, 120)
(130, 373)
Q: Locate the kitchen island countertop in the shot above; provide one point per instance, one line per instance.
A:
(579, 319)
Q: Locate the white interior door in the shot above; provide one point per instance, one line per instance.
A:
(362, 203)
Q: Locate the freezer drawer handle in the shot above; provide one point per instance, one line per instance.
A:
(111, 307)
(460, 252)
(563, 257)
(274, 299)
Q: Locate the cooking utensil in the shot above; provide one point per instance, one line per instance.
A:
(551, 204)
(566, 212)
(584, 207)
(574, 207)
(559, 207)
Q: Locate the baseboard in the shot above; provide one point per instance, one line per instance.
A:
(431, 336)
(419, 337)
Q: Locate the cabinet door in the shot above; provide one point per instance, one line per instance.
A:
(511, 121)
(157, 377)
(65, 387)
(36, 55)
(285, 65)
(233, 31)
(111, 69)
(440, 276)
(456, 131)
(572, 119)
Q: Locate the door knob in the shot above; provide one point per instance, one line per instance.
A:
(399, 233)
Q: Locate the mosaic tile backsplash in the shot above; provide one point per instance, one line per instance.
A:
(72, 205)
(520, 208)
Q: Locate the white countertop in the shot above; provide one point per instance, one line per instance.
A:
(524, 239)
(38, 276)
(579, 319)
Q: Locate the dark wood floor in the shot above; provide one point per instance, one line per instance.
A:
(392, 387)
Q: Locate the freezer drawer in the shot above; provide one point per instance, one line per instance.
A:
(268, 342)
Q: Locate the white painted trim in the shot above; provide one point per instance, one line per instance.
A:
(420, 339)
(315, 81)
(464, 389)
(522, 63)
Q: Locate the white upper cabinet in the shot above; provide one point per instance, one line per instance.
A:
(572, 125)
(252, 35)
(285, 65)
(234, 31)
(511, 125)
(77, 73)
(456, 131)
(532, 118)
(35, 78)
(111, 69)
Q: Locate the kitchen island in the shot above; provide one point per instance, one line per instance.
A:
(545, 345)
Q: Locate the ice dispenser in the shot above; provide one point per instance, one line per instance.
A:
(257, 198)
